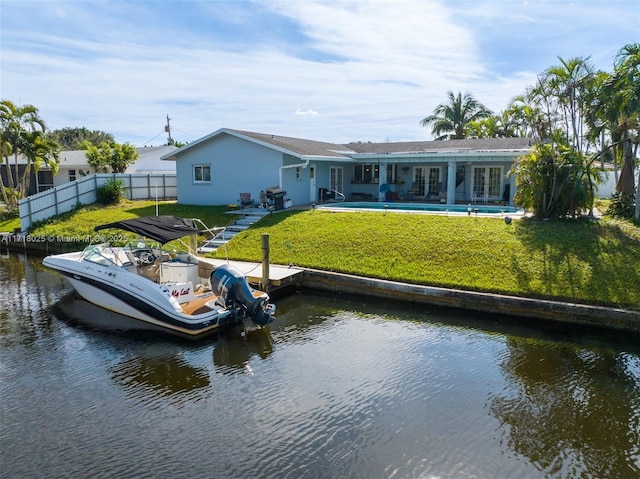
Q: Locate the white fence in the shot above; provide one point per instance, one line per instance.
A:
(68, 196)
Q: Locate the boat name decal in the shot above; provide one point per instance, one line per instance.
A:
(183, 292)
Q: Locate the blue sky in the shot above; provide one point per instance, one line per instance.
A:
(335, 71)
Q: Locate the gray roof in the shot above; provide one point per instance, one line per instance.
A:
(442, 146)
(317, 148)
(310, 148)
(299, 146)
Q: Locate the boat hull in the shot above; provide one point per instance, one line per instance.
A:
(128, 294)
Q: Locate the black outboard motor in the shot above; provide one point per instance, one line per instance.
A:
(233, 291)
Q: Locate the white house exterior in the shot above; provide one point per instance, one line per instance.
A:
(73, 165)
(215, 169)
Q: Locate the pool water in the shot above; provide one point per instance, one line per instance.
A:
(426, 207)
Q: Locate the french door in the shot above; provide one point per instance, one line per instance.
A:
(426, 180)
(419, 180)
(336, 178)
(487, 182)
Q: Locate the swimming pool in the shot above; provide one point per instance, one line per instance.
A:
(497, 210)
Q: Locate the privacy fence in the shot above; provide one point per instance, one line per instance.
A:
(68, 196)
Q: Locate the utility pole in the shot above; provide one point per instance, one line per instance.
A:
(167, 129)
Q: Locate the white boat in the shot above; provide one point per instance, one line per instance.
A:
(148, 281)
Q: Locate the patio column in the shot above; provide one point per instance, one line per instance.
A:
(382, 179)
(451, 183)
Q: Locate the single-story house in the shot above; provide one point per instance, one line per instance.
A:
(73, 164)
(217, 168)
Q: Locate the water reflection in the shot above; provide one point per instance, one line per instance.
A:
(337, 386)
(163, 369)
(236, 347)
(26, 293)
(572, 412)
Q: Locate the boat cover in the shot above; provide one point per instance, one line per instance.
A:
(159, 228)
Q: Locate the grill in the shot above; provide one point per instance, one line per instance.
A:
(275, 197)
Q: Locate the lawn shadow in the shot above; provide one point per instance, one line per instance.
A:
(582, 260)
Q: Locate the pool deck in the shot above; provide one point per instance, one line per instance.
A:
(458, 209)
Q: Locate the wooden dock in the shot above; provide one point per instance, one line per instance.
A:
(279, 276)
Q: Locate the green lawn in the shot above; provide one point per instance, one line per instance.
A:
(9, 225)
(596, 262)
(80, 223)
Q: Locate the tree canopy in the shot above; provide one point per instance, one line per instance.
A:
(449, 120)
(76, 138)
(111, 155)
(572, 105)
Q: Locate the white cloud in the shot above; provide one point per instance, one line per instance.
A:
(373, 68)
(300, 112)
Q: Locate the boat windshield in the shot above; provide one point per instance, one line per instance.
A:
(101, 254)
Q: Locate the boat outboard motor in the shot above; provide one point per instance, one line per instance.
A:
(233, 291)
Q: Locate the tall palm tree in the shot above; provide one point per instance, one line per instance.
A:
(568, 84)
(450, 120)
(624, 90)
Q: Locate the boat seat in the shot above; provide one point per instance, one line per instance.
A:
(131, 258)
(198, 305)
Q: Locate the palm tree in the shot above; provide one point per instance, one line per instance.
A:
(527, 119)
(39, 151)
(17, 123)
(450, 120)
(624, 94)
(23, 132)
(5, 151)
(568, 84)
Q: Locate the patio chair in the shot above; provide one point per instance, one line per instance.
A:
(414, 192)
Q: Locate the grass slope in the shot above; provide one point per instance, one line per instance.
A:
(596, 262)
(80, 222)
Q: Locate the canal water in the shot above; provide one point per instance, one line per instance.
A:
(336, 387)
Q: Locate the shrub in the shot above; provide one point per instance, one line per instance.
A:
(111, 192)
(554, 180)
(622, 206)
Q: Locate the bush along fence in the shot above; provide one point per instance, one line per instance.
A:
(66, 197)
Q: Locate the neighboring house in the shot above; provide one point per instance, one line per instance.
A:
(73, 164)
(215, 169)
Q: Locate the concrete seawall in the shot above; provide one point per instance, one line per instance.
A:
(573, 313)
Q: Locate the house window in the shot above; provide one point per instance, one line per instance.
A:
(72, 175)
(201, 173)
(298, 173)
(366, 173)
